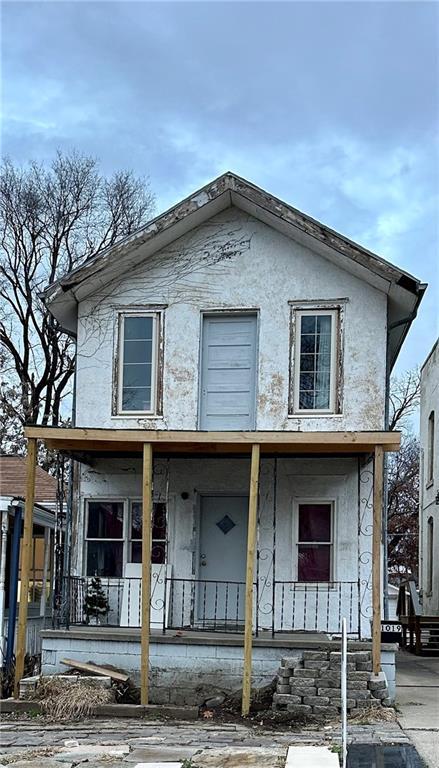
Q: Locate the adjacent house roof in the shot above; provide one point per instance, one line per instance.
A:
(13, 480)
(404, 290)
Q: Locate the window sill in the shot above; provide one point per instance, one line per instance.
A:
(311, 415)
(137, 416)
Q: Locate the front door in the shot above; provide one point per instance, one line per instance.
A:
(222, 561)
(228, 372)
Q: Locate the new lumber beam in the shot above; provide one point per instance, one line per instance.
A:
(249, 578)
(376, 557)
(146, 571)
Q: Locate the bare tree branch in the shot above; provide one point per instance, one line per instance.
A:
(51, 219)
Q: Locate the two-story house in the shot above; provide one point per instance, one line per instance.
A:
(233, 360)
(429, 485)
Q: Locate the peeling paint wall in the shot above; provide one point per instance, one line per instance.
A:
(331, 479)
(234, 262)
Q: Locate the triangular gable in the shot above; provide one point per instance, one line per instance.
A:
(404, 291)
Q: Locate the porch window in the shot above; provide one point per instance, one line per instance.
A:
(158, 545)
(430, 449)
(314, 544)
(429, 556)
(105, 537)
(315, 361)
(137, 373)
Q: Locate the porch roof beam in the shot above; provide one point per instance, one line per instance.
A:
(92, 440)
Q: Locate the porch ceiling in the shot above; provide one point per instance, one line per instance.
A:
(91, 440)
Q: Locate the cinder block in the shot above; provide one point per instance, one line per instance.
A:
(380, 693)
(299, 709)
(290, 661)
(284, 699)
(316, 701)
(327, 682)
(303, 690)
(359, 675)
(304, 673)
(282, 688)
(315, 655)
(320, 665)
(364, 666)
(355, 694)
(333, 693)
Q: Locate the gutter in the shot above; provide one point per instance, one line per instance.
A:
(406, 321)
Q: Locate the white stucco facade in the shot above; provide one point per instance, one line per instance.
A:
(429, 484)
(234, 262)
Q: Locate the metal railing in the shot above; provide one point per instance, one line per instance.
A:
(204, 605)
(176, 604)
(315, 607)
(213, 605)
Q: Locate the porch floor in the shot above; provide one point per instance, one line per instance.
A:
(312, 640)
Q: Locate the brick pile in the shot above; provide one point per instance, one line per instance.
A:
(310, 686)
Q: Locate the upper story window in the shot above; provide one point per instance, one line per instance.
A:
(138, 363)
(430, 449)
(315, 361)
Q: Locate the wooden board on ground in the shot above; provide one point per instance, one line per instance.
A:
(97, 670)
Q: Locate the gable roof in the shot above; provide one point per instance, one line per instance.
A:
(13, 480)
(404, 291)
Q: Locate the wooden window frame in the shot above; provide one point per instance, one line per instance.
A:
(431, 426)
(336, 309)
(332, 543)
(156, 362)
(430, 555)
(123, 539)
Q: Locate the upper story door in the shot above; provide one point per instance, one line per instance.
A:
(228, 372)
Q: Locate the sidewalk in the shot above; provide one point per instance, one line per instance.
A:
(29, 744)
(417, 700)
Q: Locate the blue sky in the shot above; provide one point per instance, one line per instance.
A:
(331, 106)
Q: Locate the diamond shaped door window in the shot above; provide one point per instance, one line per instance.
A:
(225, 524)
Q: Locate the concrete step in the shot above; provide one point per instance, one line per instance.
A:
(311, 757)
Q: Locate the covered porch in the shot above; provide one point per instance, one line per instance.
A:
(263, 603)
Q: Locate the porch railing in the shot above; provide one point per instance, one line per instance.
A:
(213, 606)
(315, 607)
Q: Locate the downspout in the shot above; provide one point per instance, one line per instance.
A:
(4, 538)
(390, 326)
(13, 583)
(67, 555)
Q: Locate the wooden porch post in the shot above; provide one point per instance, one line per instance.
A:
(26, 555)
(376, 557)
(146, 570)
(251, 547)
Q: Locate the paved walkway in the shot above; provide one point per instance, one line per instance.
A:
(417, 700)
(30, 744)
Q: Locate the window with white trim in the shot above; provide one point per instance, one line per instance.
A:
(314, 541)
(113, 536)
(430, 540)
(137, 374)
(158, 543)
(430, 449)
(105, 538)
(315, 359)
